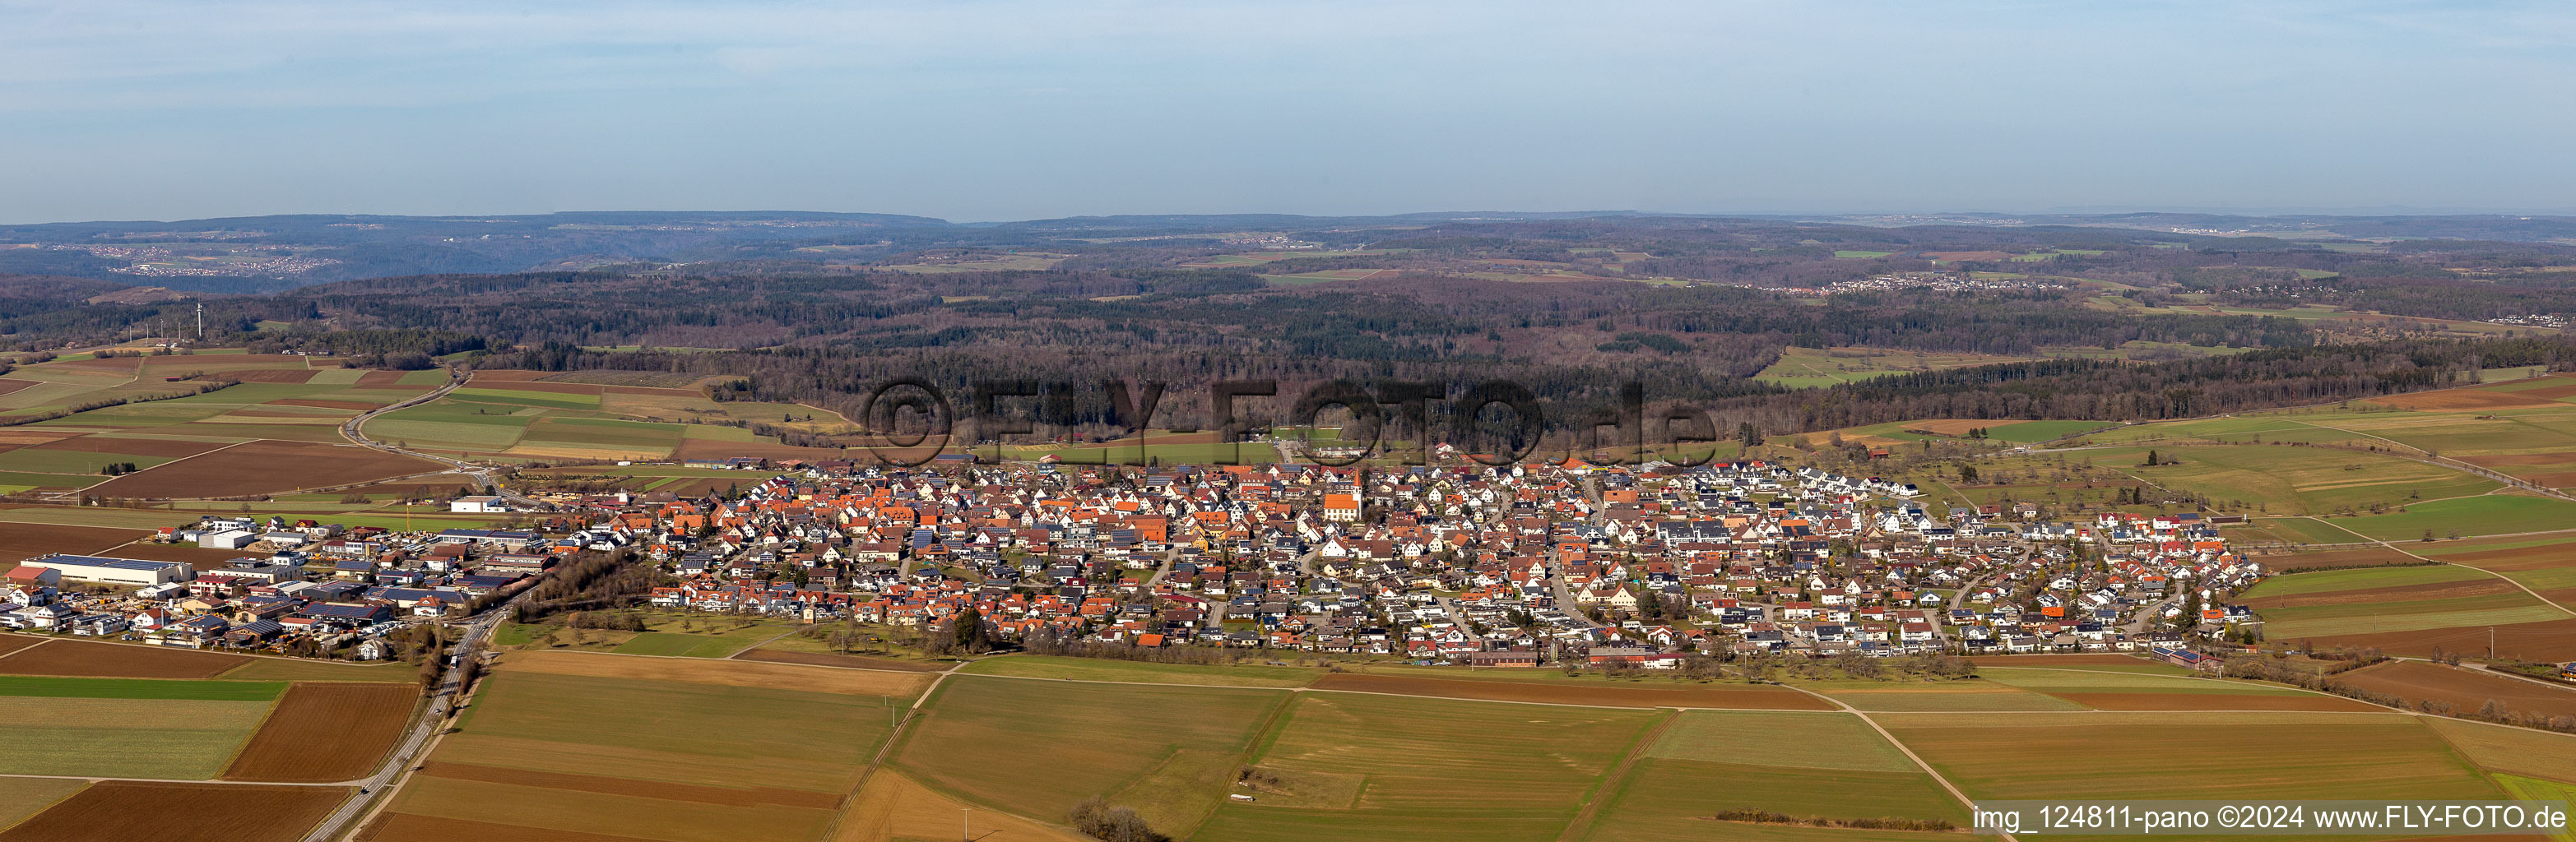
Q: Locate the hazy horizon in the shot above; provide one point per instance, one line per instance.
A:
(1010, 110)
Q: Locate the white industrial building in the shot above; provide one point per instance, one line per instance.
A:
(117, 571)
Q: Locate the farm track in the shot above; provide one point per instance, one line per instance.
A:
(352, 430)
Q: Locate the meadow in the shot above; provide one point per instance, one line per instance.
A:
(529, 416)
(1166, 751)
(1805, 765)
(1349, 766)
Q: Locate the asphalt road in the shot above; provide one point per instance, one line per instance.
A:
(433, 715)
(484, 475)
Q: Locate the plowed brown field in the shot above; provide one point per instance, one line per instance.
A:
(126, 811)
(113, 660)
(264, 467)
(170, 448)
(324, 732)
(1573, 693)
(2211, 701)
(634, 788)
(408, 827)
(2548, 640)
(28, 540)
(2466, 689)
(2096, 658)
(2400, 593)
(826, 659)
(269, 375)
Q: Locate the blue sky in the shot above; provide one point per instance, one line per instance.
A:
(998, 109)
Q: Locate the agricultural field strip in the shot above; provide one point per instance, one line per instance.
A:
(1900, 745)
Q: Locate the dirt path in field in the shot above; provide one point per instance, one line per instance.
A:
(1582, 824)
(1900, 745)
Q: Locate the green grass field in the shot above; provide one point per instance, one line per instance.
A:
(2498, 514)
(694, 644)
(1797, 764)
(1386, 767)
(2191, 756)
(1167, 752)
(1096, 669)
(670, 731)
(139, 688)
(2330, 581)
(2293, 480)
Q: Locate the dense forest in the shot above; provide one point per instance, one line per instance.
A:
(2083, 320)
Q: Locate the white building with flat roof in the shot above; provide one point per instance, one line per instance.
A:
(116, 571)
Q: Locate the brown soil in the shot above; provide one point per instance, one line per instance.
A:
(2515, 558)
(1574, 693)
(123, 811)
(2456, 399)
(199, 556)
(268, 375)
(2210, 701)
(649, 390)
(326, 731)
(634, 788)
(713, 671)
(893, 808)
(533, 386)
(358, 405)
(13, 643)
(265, 467)
(7, 386)
(2561, 479)
(2506, 459)
(115, 660)
(408, 827)
(827, 659)
(28, 540)
(2079, 659)
(2466, 689)
(166, 448)
(2400, 593)
(713, 449)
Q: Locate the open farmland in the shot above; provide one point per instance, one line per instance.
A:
(584, 725)
(514, 416)
(174, 738)
(1745, 697)
(2282, 755)
(2102, 690)
(1807, 765)
(1814, 367)
(550, 755)
(265, 467)
(82, 658)
(1096, 669)
(1937, 695)
(28, 540)
(2466, 690)
(123, 811)
(324, 732)
(2494, 514)
(1352, 766)
(2280, 479)
(1172, 769)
